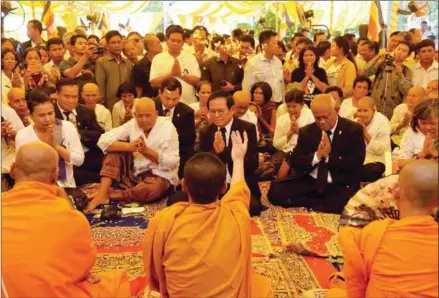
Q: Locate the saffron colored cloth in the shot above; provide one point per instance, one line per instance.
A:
(391, 258)
(47, 248)
(194, 250)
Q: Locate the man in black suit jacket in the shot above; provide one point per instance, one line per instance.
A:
(34, 30)
(67, 108)
(168, 104)
(326, 161)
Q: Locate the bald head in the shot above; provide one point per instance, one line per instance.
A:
(367, 102)
(323, 108)
(418, 183)
(145, 113)
(90, 87)
(242, 97)
(144, 104)
(36, 161)
(16, 92)
(90, 94)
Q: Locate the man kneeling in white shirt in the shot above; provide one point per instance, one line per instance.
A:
(148, 142)
(61, 135)
(91, 94)
(376, 131)
(288, 125)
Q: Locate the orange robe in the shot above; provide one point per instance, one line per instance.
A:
(47, 248)
(194, 250)
(391, 258)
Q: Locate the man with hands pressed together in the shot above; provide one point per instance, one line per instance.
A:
(326, 160)
(59, 134)
(141, 156)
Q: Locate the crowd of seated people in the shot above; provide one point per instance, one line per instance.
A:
(144, 117)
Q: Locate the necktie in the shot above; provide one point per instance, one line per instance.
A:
(223, 133)
(322, 174)
(67, 115)
(167, 113)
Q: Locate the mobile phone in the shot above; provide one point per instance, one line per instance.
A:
(223, 83)
(100, 50)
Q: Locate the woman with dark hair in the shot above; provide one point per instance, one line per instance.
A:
(45, 58)
(10, 78)
(123, 109)
(8, 44)
(266, 109)
(34, 74)
(312, 78)
(421, 139)
(203, 90)
(342, 70)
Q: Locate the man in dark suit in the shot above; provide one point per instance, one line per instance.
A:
(67, 108)
(168, 105)
(326, 161)
(34, 31)
(215, 138)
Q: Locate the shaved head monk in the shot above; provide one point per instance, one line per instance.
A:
(202, 248)
(47, 248)
(17, 101)
(142, 157)
(91, 94)
(397, 258)
(242, 101)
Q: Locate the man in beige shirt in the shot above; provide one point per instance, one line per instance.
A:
(112, 69)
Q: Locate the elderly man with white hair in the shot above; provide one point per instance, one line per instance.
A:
(327, 162)
(376, 132)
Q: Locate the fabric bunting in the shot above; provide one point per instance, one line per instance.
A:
(376, 21)
(48, 19)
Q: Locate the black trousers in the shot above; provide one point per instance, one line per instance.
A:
(371, 172)
(90, 170)
(301, 192)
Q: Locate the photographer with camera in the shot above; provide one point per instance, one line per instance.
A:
(392, 78)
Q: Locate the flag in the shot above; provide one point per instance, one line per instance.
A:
(48, 19)
(103, 24)
(376, 21)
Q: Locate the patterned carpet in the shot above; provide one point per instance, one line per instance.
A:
(120, 245)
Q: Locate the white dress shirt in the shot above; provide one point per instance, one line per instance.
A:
(171, 111)
(397, 119)
(70, 141)
(315, 160)
(119, 112)
(162, 65)
(379, 130)
(162, 138)
(251, 117)
(228, 128)
(270, 71)
(283, 125)
(421, 77)
(8, 146)
(347, 109)
(103, 117)
(411, 144)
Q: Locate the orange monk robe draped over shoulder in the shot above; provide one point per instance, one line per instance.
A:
(194, 250)
(391, 258)
(47, 248)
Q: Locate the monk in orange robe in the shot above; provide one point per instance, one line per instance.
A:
(202, 248)
(47, 249)
(396, 258)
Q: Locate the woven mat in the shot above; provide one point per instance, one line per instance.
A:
(121, 247)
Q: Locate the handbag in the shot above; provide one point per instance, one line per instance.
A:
(78, 198)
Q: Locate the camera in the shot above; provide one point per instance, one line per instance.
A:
(389, 58)
(100, 50)
(223, 83)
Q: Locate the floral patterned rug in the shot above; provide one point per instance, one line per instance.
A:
(120, 245)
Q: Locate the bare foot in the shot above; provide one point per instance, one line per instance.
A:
(115, 194)
(99, 198)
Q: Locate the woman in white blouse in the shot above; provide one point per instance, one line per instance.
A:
(421, 139)
(10, 78)
(123, 109)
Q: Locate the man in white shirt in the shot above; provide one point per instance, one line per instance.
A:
(11, 123)
(61, 135)
(176, 63)
(141, 155)
(17, 101)
(55, 47)
(348, 107)
(199, 45)
(402, 114)
(90, 94)
(242, 102)
(266, 67)
(288, 125)
(376, 131)
(426, 69)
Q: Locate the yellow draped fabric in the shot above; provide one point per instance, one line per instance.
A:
(394, 17)
(243, 7)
